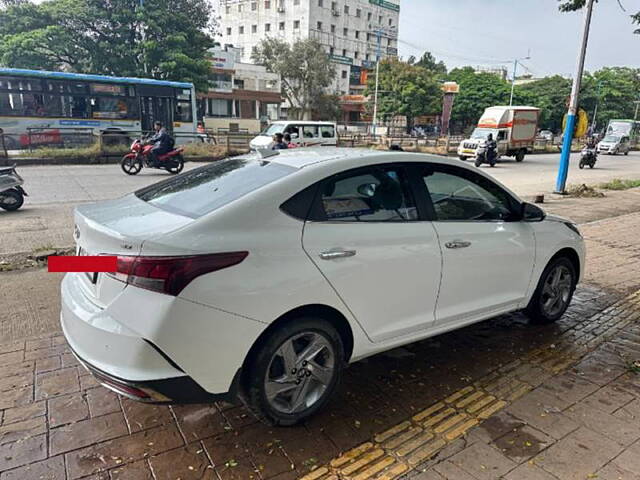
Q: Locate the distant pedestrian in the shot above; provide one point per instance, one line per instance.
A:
(279, 144)
(287, 140)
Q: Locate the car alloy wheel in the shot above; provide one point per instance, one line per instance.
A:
(556, 292)
(299, 373)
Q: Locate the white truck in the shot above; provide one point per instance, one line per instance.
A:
(513, 128)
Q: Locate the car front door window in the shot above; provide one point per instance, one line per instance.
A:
(457, 198)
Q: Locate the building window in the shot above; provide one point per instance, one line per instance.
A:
(240, 8)
(346, 9)
(238, 83)
(344, 52)
(267, 27)
(320, 3)
(241, 30)
(331, 50)
(254, 28)
(319, 25)
(227, 9)
(254, 6)
(345, 31)
(267, 4)
(296, 2)
(367, 57)
(281, 26)
(357, 34)
(344, 74)
(368, 37)
(296, 24)
(358, 13)
(334, 6)
(390, 22)
(355, 54)
(379, 18)
(228, 30)
(333, 29)
(369, 16)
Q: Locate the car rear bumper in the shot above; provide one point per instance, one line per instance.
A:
(123, 361)
(177, 390)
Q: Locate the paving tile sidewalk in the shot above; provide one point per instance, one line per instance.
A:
(568, 412)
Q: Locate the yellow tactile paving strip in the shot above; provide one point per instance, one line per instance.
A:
(403, 447)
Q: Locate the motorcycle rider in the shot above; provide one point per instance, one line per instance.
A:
(492, 145)
(162, 143)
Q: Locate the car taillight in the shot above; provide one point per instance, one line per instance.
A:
(171, 274)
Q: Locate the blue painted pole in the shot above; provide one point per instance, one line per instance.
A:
(563, 168)
(566, 152)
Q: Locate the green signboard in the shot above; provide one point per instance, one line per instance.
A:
(386, 4)
(341, 59)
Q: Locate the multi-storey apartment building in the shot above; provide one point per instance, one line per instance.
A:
(354, 34)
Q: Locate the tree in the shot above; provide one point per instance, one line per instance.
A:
(326, 107)
(304, 68)
(549, 95)
(404, 89)
(154, 38)
(478, 90)
(573, 5)
(429, 63)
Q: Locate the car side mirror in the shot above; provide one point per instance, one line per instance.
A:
(532, 213)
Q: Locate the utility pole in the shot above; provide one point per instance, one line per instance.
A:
(595, 110)
(375, 96)
(513, 81)
(563, 169)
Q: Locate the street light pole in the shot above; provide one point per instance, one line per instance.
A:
(513, 80)
(375, 96)
(595, 110)
(563, 169)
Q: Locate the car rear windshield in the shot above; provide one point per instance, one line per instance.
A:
(205, 189)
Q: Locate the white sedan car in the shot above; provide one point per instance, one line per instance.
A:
(261, 277)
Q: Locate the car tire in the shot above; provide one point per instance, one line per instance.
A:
(463, 158)
(478, 162)
(283, 386)
(520, 155)
(553, 294)
(627, 152)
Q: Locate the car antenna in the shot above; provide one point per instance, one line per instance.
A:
(266, 153)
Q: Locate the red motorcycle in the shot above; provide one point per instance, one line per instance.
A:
(140, 155)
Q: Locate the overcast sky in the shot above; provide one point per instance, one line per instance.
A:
(486, 32)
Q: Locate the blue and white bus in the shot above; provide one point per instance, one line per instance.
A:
(52, 103)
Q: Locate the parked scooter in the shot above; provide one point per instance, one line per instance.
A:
(140, 156)
(11, 193)
(485, 153)
(588, 157)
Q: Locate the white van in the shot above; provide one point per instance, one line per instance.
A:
(303, 134)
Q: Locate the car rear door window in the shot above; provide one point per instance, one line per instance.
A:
(205, 189)
(458, 195)
(368, 195)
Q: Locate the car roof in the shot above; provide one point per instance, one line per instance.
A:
(302, 157)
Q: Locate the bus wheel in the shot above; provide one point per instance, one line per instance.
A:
(520, 155)
(130, 165)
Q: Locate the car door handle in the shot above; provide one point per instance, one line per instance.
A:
(457, 244)
(333, 254)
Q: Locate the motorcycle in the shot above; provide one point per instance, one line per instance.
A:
(11, 193)
(140, 155)
(588, 157)
(485, 155)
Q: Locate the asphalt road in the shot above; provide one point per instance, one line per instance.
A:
(47, 217)
(76, 184)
